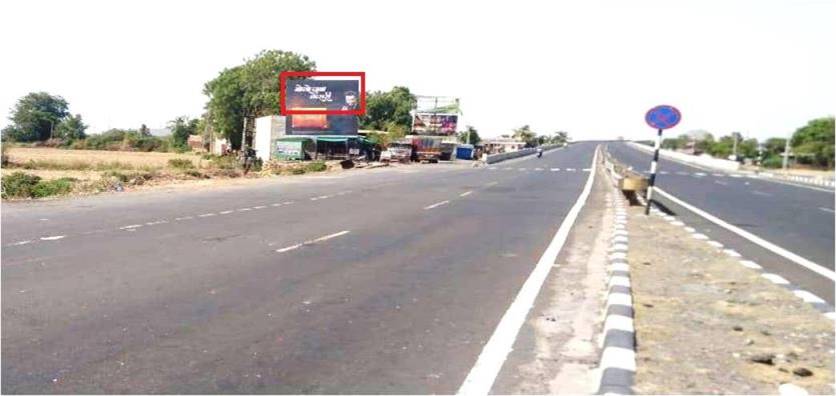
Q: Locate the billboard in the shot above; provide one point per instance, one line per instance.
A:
(434, 124)
(307, 94)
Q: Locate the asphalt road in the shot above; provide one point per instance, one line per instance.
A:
(380, 281)
(797, 218)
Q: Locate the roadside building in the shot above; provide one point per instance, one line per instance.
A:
(502, 145)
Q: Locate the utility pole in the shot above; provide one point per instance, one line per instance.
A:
(786, 154)
(734, 149)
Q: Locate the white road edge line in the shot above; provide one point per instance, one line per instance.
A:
(466, 193)
(753, 238)
(483, 374)
(435, 205)
(827, 210)
(53, 238)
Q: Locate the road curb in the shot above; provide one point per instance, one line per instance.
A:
(617, 363)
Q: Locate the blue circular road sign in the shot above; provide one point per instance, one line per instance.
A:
(663, 117)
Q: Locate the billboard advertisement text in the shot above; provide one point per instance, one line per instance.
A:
(434, 124)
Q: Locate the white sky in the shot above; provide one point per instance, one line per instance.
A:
(588, 67)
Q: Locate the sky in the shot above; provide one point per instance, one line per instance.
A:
(592, 68)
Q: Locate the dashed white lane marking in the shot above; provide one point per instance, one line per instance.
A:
(538, 169)
(287, 202)
(699, 174)
(587, 169)
(509, 168)
(826, 272)
(128, 227)
(327, 237)
(827, 210)
(493, 183)
(682, 173)
(718, 175)
(22, 243)
(244, 209)
(466, 193)
(493, 168)
(152, 223)
(226, 212)
(53, 238)
(259, 207)
(776, 279)
(435, 205)
(289, 248)
(735, 175)
(808, 297)
(721, 183)
(554, 169)
(570, 169)
(276, 204)
(206, 215)
(756, 192)
(481, 377)
(521, 169)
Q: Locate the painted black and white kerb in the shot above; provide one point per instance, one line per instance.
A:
(618, 353)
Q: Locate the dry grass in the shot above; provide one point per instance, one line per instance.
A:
(133, 159)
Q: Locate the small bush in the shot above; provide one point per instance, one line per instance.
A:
(298, 171)
(19, 185)
(317, 166)
(180, 163)
(224, 162)
(195, 173)
(774, 161)
(22, 185)
(52, 187)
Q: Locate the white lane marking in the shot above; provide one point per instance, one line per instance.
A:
(521, 169)
(736, 175)
(680, 173)
(483, 374)
(152, 223)
(827, 210)
(466, 193)
(721, 183)
(259, 207)
(206, 215)
(776, 279)
(493, 168)
(570, 169)
(699, 174)
(184, 218)
(538, 169)
(509, 168)
(128, 227)
(327, 237)
(22, 243)
(53, 238)
(289, 248)
(244, 209)
(718, 175)
(312, 241)
(808, 297)
(435, 205)
(663, 172)
(754, 238)
(756, 192)
(554, 169)
(493, 183)
(276, 204)
(288, 202)
(226, 212)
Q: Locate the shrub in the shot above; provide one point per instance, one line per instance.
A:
(224, 162)
(52, 187)
(180, 163)
(19, 185)
(298, 171)
(773, 161)
(317, 166)
(22, 185)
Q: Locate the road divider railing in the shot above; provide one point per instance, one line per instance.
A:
(494, 158)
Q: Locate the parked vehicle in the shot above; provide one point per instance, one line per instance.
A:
(400, 151)
(426, 149)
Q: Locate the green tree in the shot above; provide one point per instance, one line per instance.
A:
(525, 134)
(144, 131)
(249, 90)
(559, 137)
(181, 128)
(748, 148)
(71, 128)
(813, 143)
(388, 109)
(774, 146)
(35, 116)
(474, 135)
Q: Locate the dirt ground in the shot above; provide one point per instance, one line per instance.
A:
(707, 325)
(133, 158)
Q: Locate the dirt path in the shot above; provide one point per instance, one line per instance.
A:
(706, 324)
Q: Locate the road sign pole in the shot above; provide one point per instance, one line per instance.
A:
(653, 172)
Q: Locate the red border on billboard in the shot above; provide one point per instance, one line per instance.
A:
(283, 76)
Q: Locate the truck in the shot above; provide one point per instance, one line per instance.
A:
(425, 148)
(398, 151)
